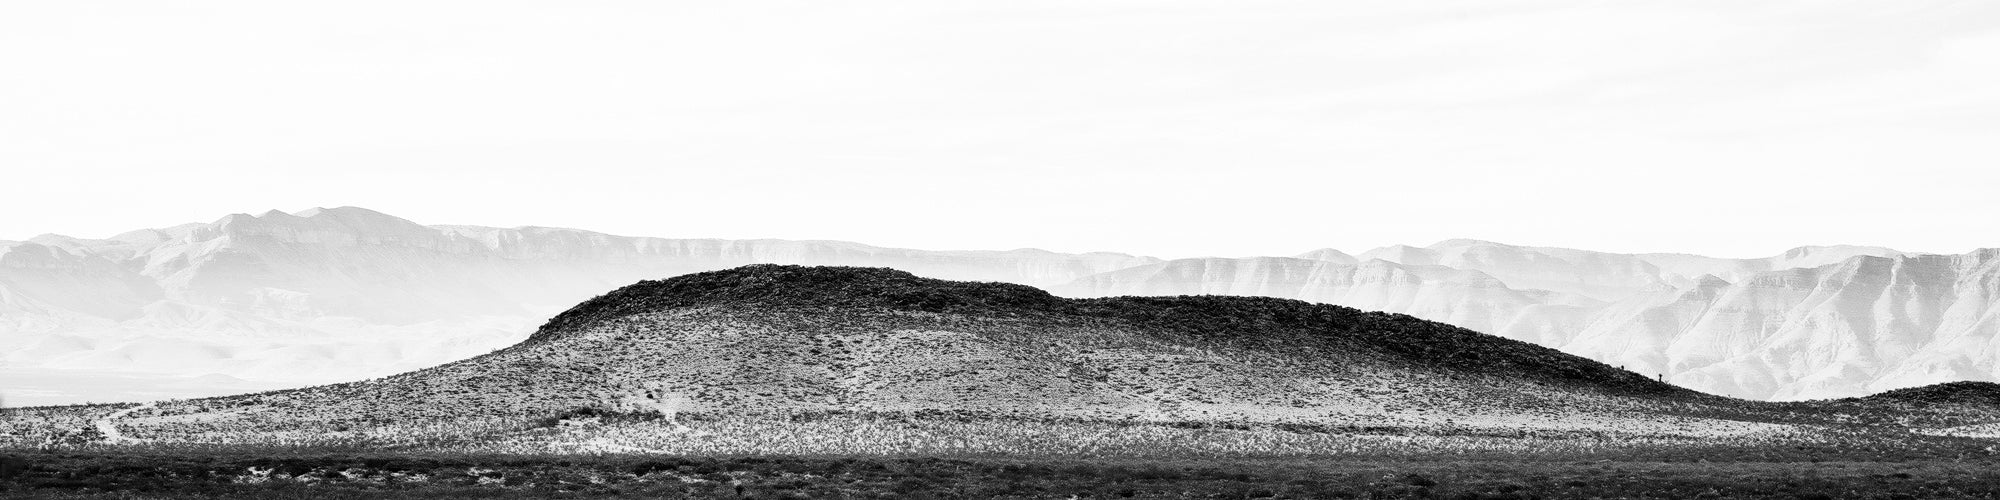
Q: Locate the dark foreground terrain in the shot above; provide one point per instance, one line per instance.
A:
(81, 475)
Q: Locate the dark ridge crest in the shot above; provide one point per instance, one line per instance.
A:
(1965, 393)
(807, 286)
(1286, 324)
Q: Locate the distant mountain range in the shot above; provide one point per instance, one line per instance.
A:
(327, 295)
(1816, 322)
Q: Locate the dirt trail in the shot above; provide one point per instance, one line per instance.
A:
(108, 425)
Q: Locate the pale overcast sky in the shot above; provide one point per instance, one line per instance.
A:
(1173, 128)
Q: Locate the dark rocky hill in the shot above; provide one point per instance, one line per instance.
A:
(780, 343)
(1244, 322)
(1984, 394)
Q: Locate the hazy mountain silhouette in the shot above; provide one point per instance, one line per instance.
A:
(325, 295)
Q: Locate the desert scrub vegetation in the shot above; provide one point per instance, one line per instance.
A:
(948, 434)
(54, 426)
(596, 431)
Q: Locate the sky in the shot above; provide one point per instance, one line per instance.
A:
(1160, 127)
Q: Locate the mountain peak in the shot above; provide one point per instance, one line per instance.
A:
(53, 239)
(1838, 251)
(348, 213)
(346, 224)
(1329, 255)
(1402, 254)
(1467, 242)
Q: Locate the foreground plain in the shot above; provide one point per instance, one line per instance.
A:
(141, 475)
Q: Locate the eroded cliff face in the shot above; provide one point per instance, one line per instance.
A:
(1862, 325)
(1603, 275)
(37, 279)
(1856, 325)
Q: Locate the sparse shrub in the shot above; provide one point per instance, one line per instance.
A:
(600, 415)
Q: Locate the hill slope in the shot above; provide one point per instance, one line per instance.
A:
(772, 339)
